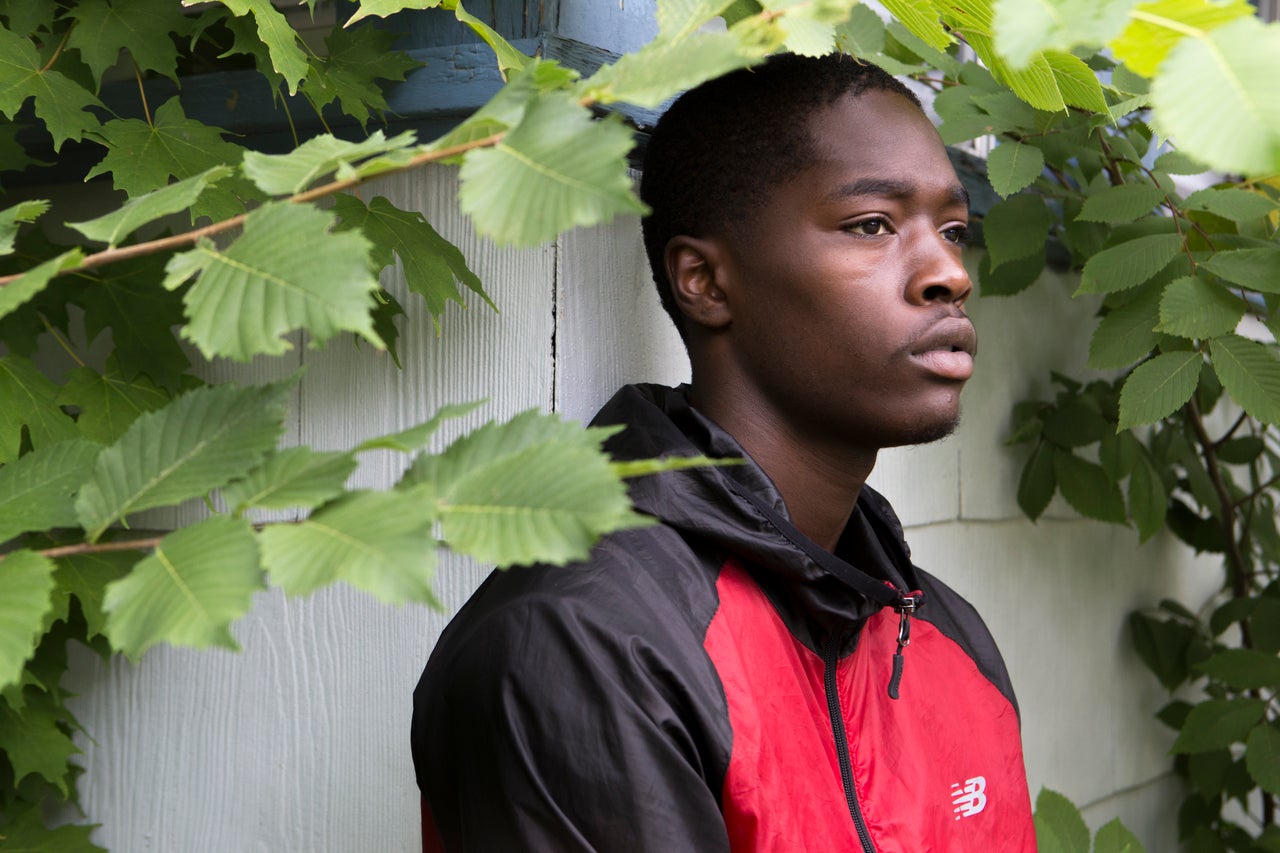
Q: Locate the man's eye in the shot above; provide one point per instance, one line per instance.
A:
(958, 234)
(870, 227)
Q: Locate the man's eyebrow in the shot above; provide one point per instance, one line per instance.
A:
(888, 188)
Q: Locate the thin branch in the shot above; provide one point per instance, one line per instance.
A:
(62, 342)
(1235, 426)
(142, 93)
(187, 238)
(101, 547)
(58, 50)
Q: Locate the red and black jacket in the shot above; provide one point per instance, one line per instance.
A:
(717, 683)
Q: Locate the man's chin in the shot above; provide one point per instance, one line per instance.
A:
(928, 431)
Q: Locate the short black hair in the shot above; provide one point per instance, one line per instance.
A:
(718, 150)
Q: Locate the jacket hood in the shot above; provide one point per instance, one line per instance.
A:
(737, 509)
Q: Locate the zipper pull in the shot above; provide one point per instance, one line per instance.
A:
(906, 606)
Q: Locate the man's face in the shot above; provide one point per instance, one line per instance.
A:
(847, 288)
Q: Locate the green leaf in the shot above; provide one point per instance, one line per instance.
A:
(809, 28)
(199, 442)
(1250, 372)
(1178, 163)
(28, 590)
(1086, 487)
(863, 34)
(509, 59)
(1194, 308)
(1126, 334)
(142, 157)
(17, 293)
(1119, 453)
(1257, 269)
(1059, 827)
(1218, 723)
(36, 491)
(26, 833)
(385, 8)
(1075, 424)
(34, 741)
(28, 399)
(136, 212)
(287, 271)
(108, 402)
(1013, 166)
(298, 476)
(1037, 483)
(274, 31)
(1234, 203)
(416, 437)
(921, 19)
(60, 103)
(357, 59)
(86, 576)
(11, 218)
(1162, 646)
(1159, 387)
(198, 581)
(1158, 26)
(680, 18)
(1241, 450)
(1016, 227)
(1010, 277)
(1243, 669)
(1148, 500)
(379, 542)
(1262, 757)
(142, 26)
(1113, 837)
(1129, 264)
(433, 267)
(535, 489)
(1212, 95)
(665, 67)
(1024, 29)
(556, 170)
(286, 174)
(1123, 203)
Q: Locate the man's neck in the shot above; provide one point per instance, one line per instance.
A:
(820, 485)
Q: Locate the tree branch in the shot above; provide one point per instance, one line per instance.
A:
(187, 238)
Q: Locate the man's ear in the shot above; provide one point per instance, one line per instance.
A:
(698, 273)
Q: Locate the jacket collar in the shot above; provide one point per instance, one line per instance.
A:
(731, 507)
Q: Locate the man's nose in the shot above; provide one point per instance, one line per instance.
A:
(939, 273)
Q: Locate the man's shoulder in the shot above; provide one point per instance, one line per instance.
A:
(646, 585)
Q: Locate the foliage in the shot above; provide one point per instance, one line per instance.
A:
(1061, 829)
(1178, 429)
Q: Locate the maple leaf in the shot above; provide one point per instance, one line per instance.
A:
(273, 33)
(143, 157)
(141, 315)
(357, 59)
(59, 103)
(140, 26)
(28, 399)
(108, 402)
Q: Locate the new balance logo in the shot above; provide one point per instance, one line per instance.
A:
(969, 798)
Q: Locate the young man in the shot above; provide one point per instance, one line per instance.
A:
(739, 677)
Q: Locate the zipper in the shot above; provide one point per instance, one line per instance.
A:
(906, 606)
(830, 657)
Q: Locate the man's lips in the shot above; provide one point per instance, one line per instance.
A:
(947, 349)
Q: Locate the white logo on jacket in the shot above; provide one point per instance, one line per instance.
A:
(970, 797)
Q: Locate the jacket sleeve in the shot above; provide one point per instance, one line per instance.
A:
(545, 725)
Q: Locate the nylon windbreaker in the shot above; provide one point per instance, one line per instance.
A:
(718, 682)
